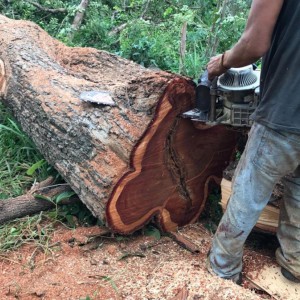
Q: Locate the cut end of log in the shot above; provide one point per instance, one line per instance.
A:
(171, 167)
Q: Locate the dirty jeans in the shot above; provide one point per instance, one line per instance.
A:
(269, 155)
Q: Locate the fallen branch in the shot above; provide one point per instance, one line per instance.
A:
(46, 9)
(117, 29)
(29, 204)
(184, 242)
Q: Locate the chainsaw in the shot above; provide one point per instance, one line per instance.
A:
(229, 99)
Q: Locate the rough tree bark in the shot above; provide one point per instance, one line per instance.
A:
(127, 162)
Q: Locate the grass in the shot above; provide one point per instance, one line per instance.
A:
(18, 157)
(21, 164)
(36, 229)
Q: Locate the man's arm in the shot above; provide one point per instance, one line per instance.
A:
(254, 42)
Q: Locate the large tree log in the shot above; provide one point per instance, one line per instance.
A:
(127, 162)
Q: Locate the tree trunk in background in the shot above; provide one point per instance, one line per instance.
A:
(182, 50)
(78, 17)
(213, 41)
(127, 162)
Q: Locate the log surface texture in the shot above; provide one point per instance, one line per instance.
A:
(127, 162)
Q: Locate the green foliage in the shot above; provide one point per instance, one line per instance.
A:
(71, 214)
(232, 25)
(20, 163)
(214, 208)
(34, 229)
(35, 167)
(212, 213)
(111, 282)
(152, 231)
(152, 29)
(75, 215)
(38, 229)
(238, 155)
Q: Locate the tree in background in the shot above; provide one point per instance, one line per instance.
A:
(148, 32)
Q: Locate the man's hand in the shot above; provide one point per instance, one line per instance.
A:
(215, 67)
(254, 42)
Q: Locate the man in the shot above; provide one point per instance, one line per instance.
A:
(273, 148)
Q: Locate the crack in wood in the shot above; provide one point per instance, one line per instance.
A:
(173, 163)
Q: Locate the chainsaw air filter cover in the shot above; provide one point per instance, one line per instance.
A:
(239, 79)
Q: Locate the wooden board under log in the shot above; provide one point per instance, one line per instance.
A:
(271, 280)
(128, 162)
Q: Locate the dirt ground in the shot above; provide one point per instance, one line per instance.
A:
(87, 263)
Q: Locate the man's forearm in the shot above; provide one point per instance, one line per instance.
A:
(240, 55)
(256, 38)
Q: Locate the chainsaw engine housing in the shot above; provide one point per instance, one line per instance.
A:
(238, 94)
(229, 99)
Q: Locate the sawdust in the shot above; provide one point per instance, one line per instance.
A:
(136, 267)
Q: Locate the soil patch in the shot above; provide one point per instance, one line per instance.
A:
(87, 263)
